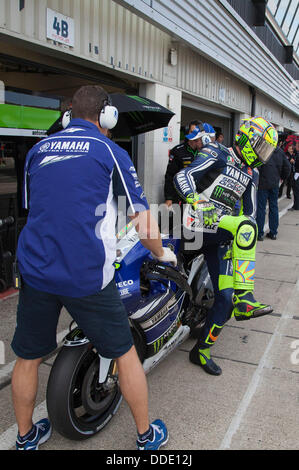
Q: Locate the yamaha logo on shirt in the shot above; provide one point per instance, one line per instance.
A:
(45, 147)
(65, 146)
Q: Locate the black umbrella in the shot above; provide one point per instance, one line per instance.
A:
(56, 126)
(136, 116)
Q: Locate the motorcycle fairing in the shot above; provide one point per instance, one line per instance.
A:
(131, 255)
(159, 334)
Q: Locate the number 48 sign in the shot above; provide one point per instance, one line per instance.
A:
(60, 28)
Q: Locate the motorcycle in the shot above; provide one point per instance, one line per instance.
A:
(165, 306)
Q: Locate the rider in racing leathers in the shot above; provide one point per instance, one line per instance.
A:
(212, 184)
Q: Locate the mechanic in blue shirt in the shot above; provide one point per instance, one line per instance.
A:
(66, 253)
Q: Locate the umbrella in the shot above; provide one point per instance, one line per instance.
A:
(56, 126)
(136, 116)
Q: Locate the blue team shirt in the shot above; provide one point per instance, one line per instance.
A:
(72, 182)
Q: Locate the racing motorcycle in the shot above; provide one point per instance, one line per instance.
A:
(165, 306)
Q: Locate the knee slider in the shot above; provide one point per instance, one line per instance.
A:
(246, 234)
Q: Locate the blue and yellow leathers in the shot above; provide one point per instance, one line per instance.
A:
(229, 243)
(231, 267)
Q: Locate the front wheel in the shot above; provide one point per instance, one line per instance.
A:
(78, 405)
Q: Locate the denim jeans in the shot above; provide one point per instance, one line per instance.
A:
(263, 196)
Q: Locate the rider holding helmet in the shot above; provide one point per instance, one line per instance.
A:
(212, 184)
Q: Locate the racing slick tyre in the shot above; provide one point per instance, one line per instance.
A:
(78, 405)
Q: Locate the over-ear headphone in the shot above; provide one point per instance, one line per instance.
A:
(66, 118)
(108, 116)
(206, 139)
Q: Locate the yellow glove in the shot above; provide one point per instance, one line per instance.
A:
(207, 208)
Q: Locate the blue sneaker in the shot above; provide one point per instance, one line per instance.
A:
(40, 433)
(160, 437)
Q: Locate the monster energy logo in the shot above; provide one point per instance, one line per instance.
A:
(138, 98)
(136, 116)
(146, 104)
(218, 191)
(158, 344)
(242, 141)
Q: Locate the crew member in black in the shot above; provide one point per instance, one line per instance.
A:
(180, 157)
(296, 180)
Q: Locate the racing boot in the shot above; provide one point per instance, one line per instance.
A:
(202, 358)
(246, 307)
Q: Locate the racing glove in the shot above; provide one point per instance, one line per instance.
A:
(168, 257)
(207, 208)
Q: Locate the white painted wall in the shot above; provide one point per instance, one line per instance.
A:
(152, 150)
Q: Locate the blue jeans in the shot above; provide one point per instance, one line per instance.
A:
(263, 196)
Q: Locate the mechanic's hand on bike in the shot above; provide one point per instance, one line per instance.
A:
(167, 257)
(207, 208)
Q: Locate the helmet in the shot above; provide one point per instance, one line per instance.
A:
(257, 140)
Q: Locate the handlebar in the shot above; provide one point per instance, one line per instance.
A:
(156, 270)
(7, 221)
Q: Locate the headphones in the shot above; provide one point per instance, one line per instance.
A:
(107, 118)
(66, 118)
(206, 139)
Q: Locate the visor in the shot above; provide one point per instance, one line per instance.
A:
(262, 149)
